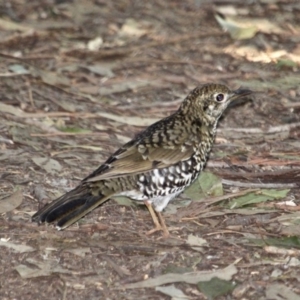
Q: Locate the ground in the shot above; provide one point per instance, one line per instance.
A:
(80, 78)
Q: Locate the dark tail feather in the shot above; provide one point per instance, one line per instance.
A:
(70, 207)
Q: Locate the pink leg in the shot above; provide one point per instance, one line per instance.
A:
(159, 224)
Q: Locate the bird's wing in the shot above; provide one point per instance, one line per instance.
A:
(141, 156)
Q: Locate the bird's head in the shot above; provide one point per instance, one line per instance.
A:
(209, 101)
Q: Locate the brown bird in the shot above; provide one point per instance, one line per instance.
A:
(154, 167)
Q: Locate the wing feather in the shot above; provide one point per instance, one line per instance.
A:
(134, 162)
(149, 150)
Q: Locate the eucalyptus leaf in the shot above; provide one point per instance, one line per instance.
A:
(74, 130)
(11, 202)
(285, 242)
(236, 31)
(215, 287)
(19, 248)
(172, 291)
(122, 200)
(207, 185)
(50, 165)
(257, 197)
(191, 278)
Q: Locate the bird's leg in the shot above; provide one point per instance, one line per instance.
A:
(154, 218)
(159, 224)
(163, 225)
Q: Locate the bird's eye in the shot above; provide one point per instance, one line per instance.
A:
(220, 97)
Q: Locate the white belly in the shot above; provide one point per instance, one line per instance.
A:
(159, 202)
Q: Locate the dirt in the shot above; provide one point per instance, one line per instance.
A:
(80, 78)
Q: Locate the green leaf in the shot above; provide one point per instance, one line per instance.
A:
(122, 200)
(177, 269)
(257, 197)
(18, 69)
(285, 63)
(286, 242)
(215, 287)
(236, 30)
(281, 83)
(207, 184)
(74, 130)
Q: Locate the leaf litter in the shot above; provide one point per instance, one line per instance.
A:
(11, 202)
(16, 247)
(50, 165)
(192, 278)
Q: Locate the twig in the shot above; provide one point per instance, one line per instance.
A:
(271, 129)
(115, 266)
(103, 134)
(30, 94)
(7, 74)
(178, 39)
(7, 141)
(210, 201)
(197, 207)
(259, 185)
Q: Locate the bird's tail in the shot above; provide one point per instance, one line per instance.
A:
(70, 207)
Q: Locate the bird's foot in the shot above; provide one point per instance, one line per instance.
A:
(159, 224)
(165, 230)
(155, 229)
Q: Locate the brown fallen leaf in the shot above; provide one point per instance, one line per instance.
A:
(50, 165)
(42, 269)
(16, 247)
(191, 277)
(196, 242)
(172, 291)
(280, 291)
(134, 121)
(11, 202)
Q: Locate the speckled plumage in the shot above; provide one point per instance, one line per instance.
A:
(155, 166)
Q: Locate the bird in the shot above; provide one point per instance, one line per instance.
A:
(155, 166)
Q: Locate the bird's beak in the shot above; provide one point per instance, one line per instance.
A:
(237, 95)
(240, 93)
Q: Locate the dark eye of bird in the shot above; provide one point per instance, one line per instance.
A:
(220, 97)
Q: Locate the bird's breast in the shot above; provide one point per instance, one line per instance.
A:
(169, 180)
(159, 186)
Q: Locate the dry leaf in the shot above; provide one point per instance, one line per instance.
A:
(121, 87)
(102, 70)
(135, 121)
(5, 108)
(196, 242)
(45, 268)
(132, 28)
(172, 291)
(50, 165)
(11, 202)
(192, 277)
(16, 247)
(279, 291)
(237, 31)
(80, 251)
(9, 25)
(95, 44)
